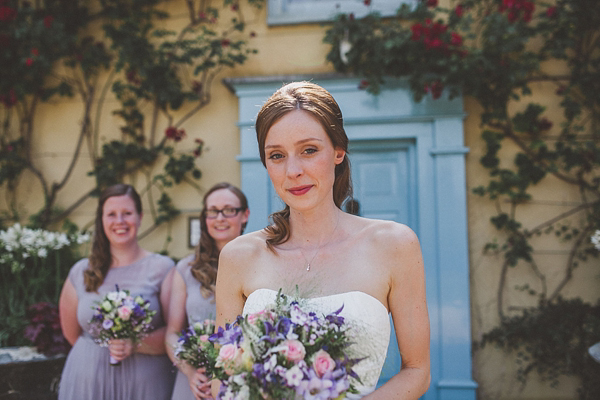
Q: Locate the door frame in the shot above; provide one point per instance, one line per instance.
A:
(436, 127)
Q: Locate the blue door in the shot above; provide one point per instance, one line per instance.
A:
(383, 179)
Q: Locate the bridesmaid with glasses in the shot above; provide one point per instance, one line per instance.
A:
(223, 218)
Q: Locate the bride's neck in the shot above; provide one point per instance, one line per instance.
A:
(315, 227)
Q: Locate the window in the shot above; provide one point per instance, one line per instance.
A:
(282, 12)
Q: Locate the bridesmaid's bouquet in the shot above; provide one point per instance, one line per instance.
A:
(285, 352)
(195, 348)
(120, 316)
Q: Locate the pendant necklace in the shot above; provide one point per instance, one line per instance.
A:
(321, 246)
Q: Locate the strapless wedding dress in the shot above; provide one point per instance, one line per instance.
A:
(367, 316)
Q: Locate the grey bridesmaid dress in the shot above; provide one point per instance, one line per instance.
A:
(87, 374)
(198, 309)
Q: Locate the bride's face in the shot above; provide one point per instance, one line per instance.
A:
(300, 159)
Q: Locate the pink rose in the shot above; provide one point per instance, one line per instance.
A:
(228, 352)
(203, 338)
(323, 363)
(124, 313)
(294, 350)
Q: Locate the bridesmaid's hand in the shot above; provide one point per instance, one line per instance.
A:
(200, 384)
(120, 349)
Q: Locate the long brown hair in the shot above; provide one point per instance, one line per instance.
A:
(317, 101)
(100, 257)
(204, 264)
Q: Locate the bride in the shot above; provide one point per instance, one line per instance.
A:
(315, 251)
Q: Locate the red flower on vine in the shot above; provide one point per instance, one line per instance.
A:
(10, 99)
(544, 124)
(48, 20)
(29, 61)
(518, 8)
(436, 88)
(551, 12)
(431, 3)
(225, 42)
(235, 7)
(7, 14)
(35, 51)
(367, 2)
(459, 10)
(174, 133)
(456, 40)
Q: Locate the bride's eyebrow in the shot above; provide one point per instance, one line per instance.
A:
(273, 146)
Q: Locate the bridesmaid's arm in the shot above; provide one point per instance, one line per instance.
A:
(67, 309)
(407, 303)
(177, 316)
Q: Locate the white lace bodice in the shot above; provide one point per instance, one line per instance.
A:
(367, 316)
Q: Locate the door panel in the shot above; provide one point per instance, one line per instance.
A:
(383, 177)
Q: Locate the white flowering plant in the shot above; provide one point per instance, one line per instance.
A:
(119, 315)
(34, 264)
(595, 239)
(286, 352)
(20, 244)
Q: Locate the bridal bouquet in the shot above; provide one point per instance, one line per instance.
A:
(196, 349)
(285, 352)
(120, 316)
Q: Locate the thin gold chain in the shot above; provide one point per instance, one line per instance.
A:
(320, 247)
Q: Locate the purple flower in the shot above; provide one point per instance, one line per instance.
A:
(271, 335)
(335, 318)
(315, 388)
(230, 335)
(107, 324)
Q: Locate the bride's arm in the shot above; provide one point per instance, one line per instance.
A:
(229, 292)
(407, 303)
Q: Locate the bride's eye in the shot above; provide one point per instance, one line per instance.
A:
(310, 150)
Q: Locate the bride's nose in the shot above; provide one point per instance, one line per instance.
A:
(294, 167)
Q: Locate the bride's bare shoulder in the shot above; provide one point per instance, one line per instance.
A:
(246, 246)
(387, 234)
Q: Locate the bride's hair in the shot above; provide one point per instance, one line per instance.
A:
(317, 101)
(100, 257)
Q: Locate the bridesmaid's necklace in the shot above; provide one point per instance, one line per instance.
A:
(320, 247)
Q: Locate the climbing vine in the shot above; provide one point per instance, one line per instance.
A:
(494, 51)
(92, 52)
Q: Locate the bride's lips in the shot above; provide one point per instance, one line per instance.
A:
(300, 190)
